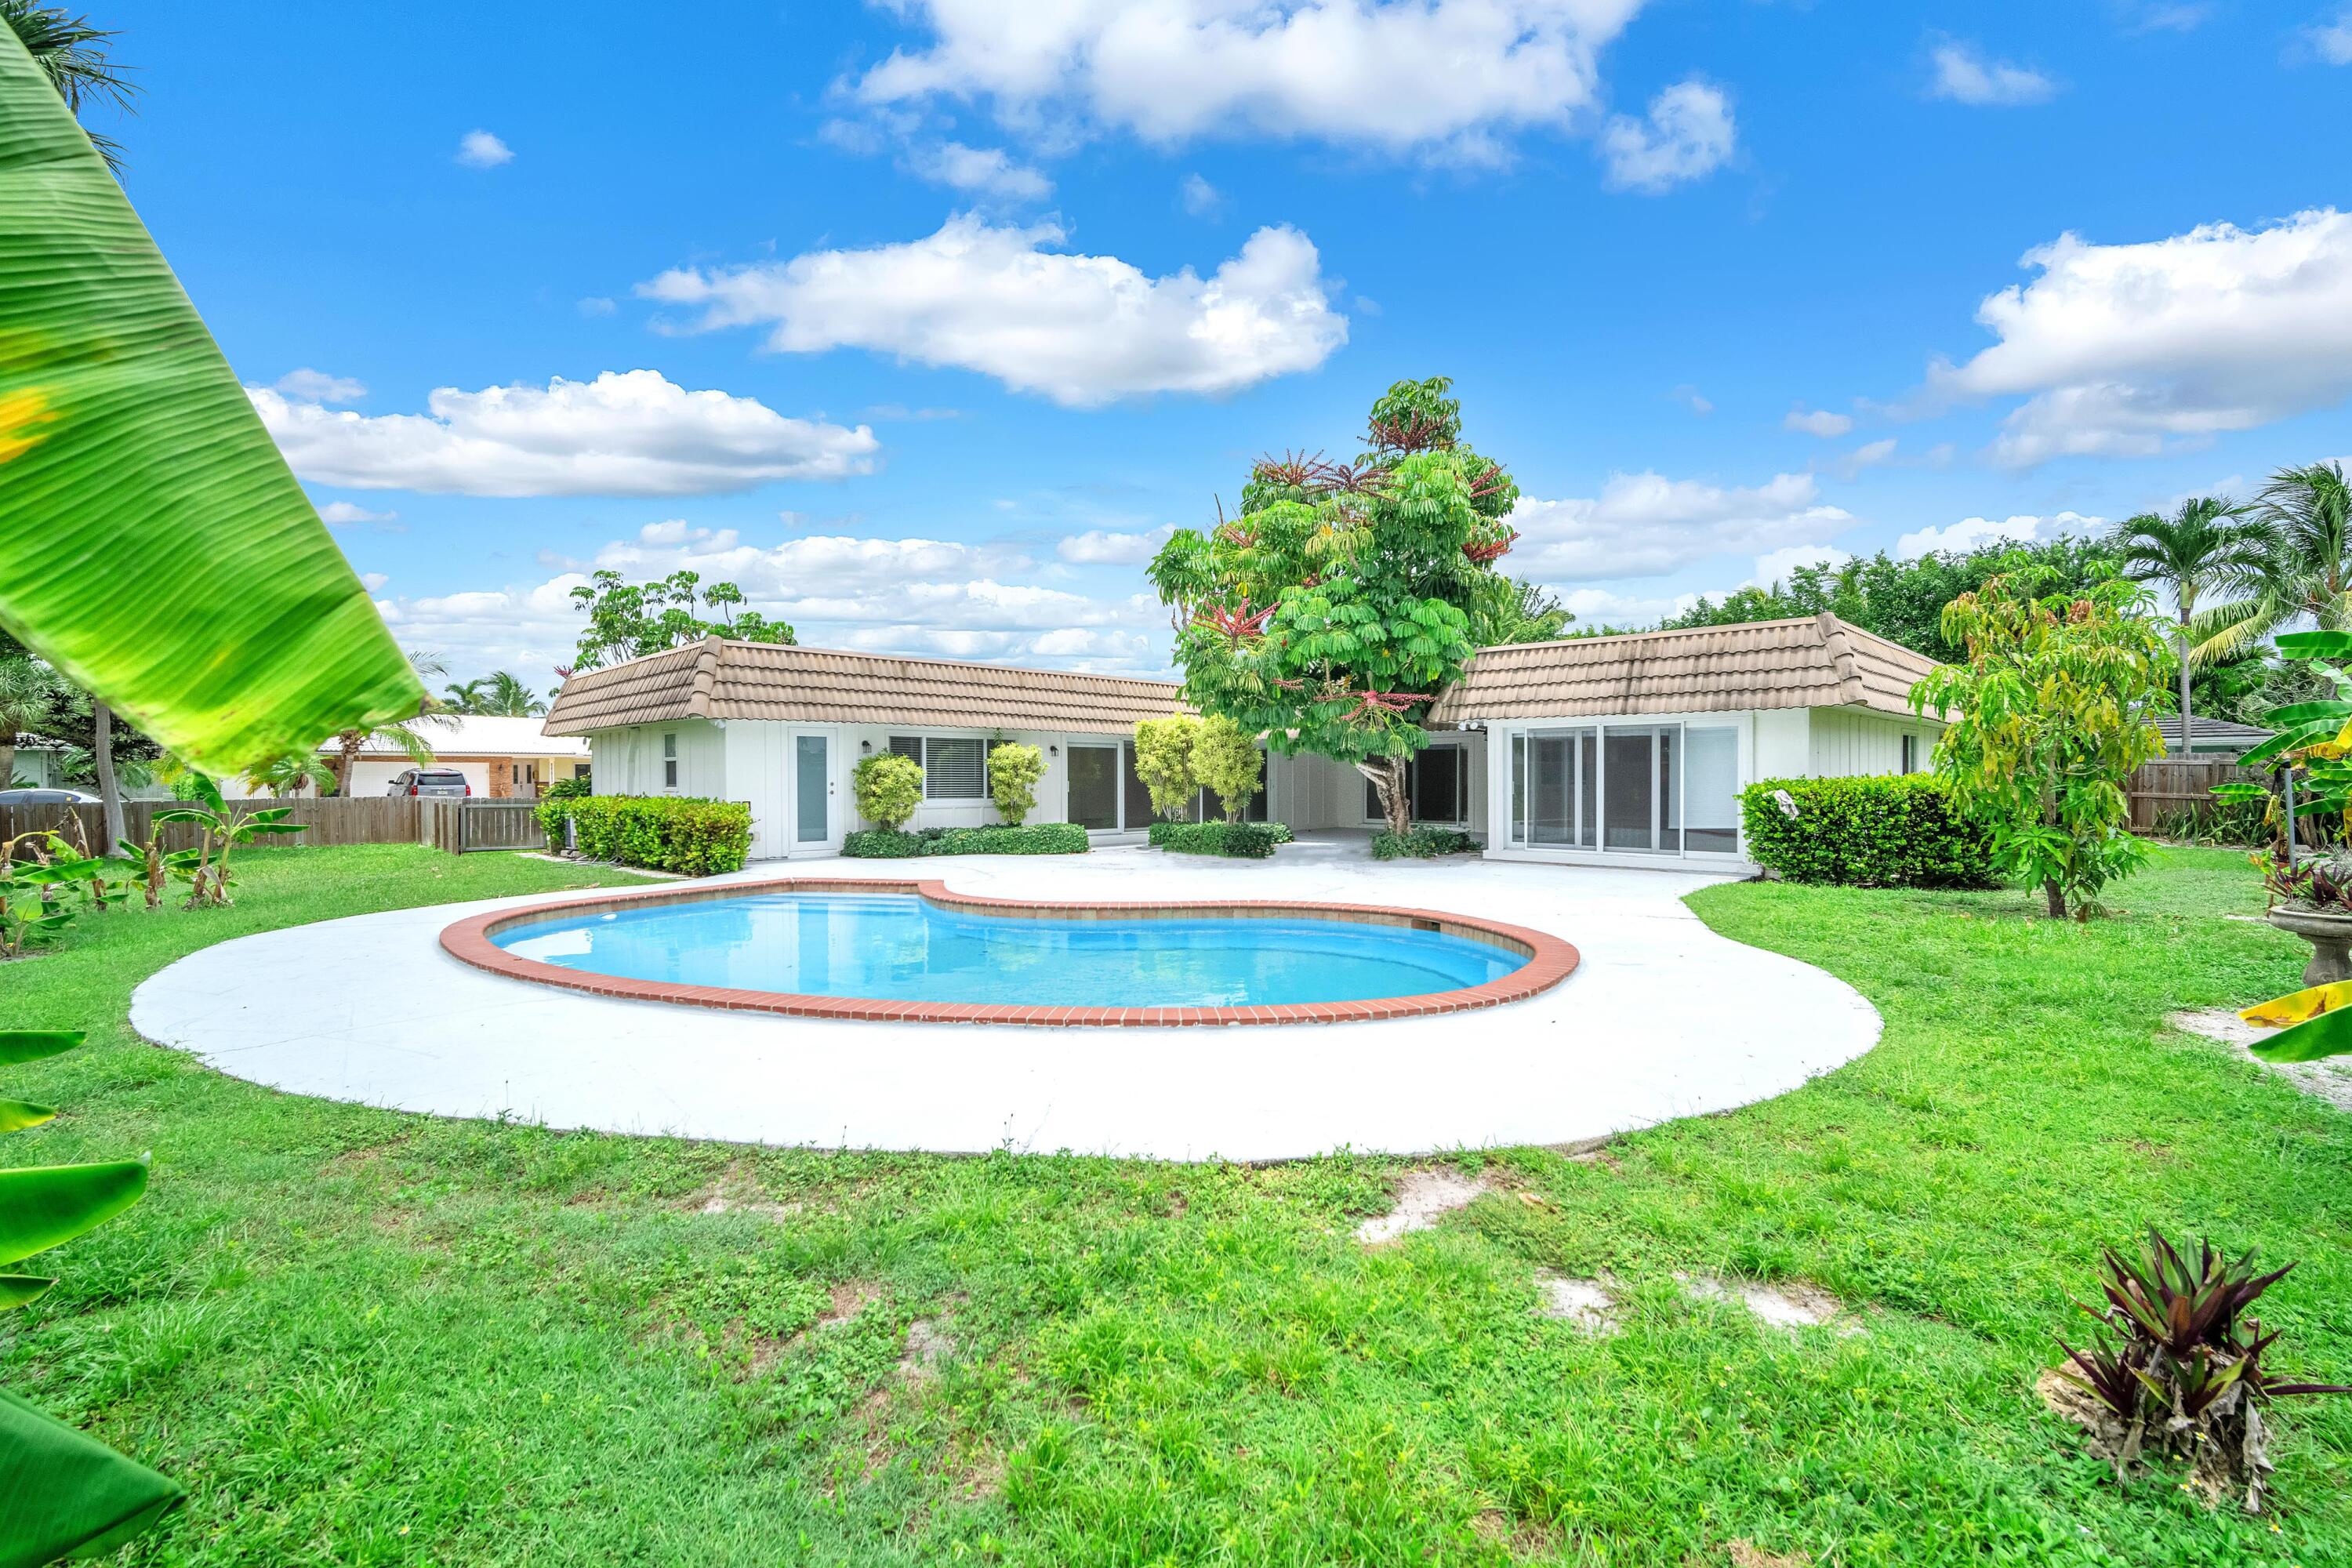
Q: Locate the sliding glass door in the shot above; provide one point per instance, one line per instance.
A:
(1106, 793)
(1627, 789)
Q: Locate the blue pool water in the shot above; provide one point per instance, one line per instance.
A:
(898, 946)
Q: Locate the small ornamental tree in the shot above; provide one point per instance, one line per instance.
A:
(2049, 717)
(1164, 760)
(889, 787)
(1331, 612)
(628, 620)
(1227, 759)
(1013, 771)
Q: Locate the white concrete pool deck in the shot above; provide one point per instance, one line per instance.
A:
(1663, 1019)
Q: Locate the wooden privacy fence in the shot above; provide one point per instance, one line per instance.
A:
(456, 825)
(2170, 784)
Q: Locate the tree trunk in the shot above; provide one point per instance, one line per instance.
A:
(2057, 897)
(7, 760)
(109, 788)
(1388, 777)
(2186, 747)
(347, 756)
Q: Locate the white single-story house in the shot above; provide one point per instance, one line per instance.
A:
(1626, 750)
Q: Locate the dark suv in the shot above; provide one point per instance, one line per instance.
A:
(431, 781)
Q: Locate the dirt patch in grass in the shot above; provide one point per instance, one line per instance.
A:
(1421, 1199)
(2328, 1080)
(1786, 1304)
(1586, 1303)
(1747, 1554)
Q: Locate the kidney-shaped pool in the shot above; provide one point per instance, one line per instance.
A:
(917, 952)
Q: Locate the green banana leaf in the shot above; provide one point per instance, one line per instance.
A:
(16, 1290)
(2315, 644)
(63, 1494)
(15, 1115)
(154, 544)
(31, 1045)
(42, 1207)
(2329, 1034)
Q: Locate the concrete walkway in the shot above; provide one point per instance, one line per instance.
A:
(1663, 1019)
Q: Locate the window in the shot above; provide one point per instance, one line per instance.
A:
(669, 759)
(1644, 788)
(1094, 787)
(1910, 753)
(1711, 791)
(954, 767)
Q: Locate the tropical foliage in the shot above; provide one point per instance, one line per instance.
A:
(1013, 771)
(2048, 719)
(220, 828)
(2303, 518)
(887, 788)
(1421, 841)
(1529, 611)
(154, 547)
(30, 693)
(1330, 613)
(73, 55)
(628, 620)
(295, 773)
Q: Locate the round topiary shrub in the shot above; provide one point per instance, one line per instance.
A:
(888, 788)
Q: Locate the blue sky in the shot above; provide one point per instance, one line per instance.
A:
(922, 321)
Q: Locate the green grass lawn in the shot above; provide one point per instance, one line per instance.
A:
(367, 1338)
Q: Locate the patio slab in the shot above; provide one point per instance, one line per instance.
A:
(1662, 1019)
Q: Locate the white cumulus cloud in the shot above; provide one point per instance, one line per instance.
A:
(1970, 532)
(632, 433)
(1817, 421)
(318, 386)
(1963, 74)
(480, 150)
(1642, 525)
(348, 514)
(1081, 329)
(1103, 547)
(1777, 565)
(980, 172)
(1449, 76)
(1688, 134)
(2127, 350)
(2331, 39)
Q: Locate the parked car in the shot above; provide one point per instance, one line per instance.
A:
(46, 797)
(431, 781)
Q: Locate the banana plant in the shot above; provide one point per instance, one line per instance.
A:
(60, 1492)
(154, 547)
(2313, 740)
(219, 827)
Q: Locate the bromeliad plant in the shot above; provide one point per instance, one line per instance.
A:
(2175, 1366)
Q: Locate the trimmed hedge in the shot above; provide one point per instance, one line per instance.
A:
(1242, 840)
(1886, 831)
(1421, 844)
(662, 833)
(896, 844)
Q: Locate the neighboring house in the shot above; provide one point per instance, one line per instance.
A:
(501, 758)
(2213, 738)
(39, 762)
(1618, 750)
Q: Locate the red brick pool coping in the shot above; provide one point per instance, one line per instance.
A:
(1549, 960)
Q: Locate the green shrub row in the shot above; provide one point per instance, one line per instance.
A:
(1421, 844)
(662, 833)
(1246, 840)
(895, 843)
(1888, 831)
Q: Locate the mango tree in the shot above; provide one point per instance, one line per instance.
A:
(2049, 718)
(1331, 611)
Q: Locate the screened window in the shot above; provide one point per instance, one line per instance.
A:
(1642, 788)
(1094, 787)
(954, 766)
(1437, 786)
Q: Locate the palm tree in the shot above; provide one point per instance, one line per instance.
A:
(28, 696)
(508, 697)
(2206, 543)
(400, 733)
(463, 697)
(292, 773)
(72, 54)
(2304, 524)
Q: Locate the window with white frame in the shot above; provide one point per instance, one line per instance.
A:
(1910, 753)
(954, 766)
(669, 759)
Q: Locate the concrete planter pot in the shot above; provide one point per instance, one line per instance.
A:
(2330, 936)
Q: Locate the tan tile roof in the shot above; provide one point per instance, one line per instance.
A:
(1818, 661)
(716, 678)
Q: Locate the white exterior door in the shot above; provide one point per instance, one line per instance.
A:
(816, 815)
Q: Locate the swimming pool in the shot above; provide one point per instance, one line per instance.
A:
(914, 951)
